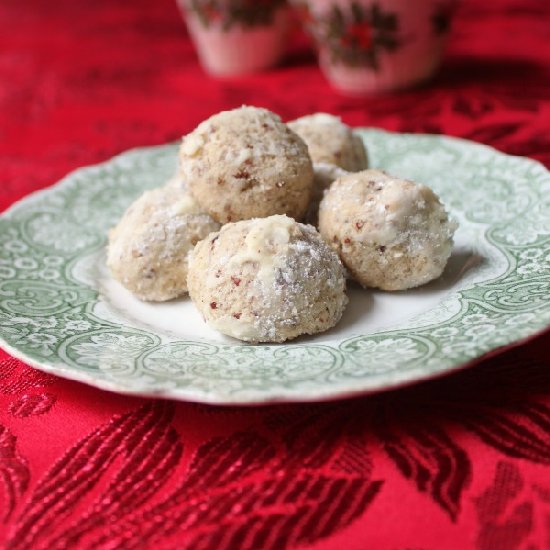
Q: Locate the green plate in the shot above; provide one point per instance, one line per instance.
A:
(61, 312)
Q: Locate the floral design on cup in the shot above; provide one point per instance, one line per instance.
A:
(234, 37)
(354, 35)
(227, 13)
(369, 46)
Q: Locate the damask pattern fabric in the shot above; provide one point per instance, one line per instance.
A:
(455, 463)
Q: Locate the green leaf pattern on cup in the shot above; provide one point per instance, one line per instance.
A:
(227, 14)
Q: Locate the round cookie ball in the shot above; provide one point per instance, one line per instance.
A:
(390, 233)
(331, 141)
(149, 248)
(247, 163)
(267, 280)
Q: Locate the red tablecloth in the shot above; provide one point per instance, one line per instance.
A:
(461, 462)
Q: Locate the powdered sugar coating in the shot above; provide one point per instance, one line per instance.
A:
(247, 163)
(390, 233)
(331, 141)
(267, 280)
(149, 248)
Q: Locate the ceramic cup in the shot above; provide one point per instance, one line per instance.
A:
(235, 37)
(368, 46)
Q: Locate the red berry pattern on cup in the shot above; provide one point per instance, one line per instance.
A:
(355, 35)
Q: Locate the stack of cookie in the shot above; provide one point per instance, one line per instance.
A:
(227, 228)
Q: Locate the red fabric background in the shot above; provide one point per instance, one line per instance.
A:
(461, 462)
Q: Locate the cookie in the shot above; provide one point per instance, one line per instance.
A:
(331, 141)
(246, 163)
(390, 233)
(148, 249)
(267, 280)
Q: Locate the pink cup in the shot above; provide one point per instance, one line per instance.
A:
(368, 46)
(235, 37)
